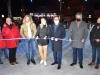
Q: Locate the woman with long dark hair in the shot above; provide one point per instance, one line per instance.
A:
(43, 33)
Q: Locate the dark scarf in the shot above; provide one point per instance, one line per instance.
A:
(10, 26)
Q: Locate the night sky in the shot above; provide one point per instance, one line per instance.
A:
(29, 6)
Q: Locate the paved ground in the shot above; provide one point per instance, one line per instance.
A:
(23, 69)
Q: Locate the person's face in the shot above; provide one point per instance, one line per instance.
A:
(8, 21)
(43, 21)
(78, 17)
(56, 20)
(27, 19)
(98, 20)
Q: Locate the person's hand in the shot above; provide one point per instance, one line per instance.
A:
(70, 40)
(82, 40)
(52, 38)
(37, 37)
(97, 40)
(56, 39)
(45, 37)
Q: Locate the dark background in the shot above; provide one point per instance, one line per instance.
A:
(53, 4)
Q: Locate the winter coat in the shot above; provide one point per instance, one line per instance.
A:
(24, 30)
(77, 34)
(2, 43)
(9, 34)
(59, 33)
(41, 33)
(95, 34)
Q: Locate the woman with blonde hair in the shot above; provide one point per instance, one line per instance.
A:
(28, 30)
(43, 31)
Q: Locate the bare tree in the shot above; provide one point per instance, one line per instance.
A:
(8, 2)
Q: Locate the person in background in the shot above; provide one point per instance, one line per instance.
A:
(28, 30)
(10, 31)
(5, 53)
(43, 31)
(95, 42)
(2, 45)
(57, 33)
(77, 34)
(4, 49)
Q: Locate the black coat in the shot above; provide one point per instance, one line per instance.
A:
(59, 33)
(95, 34)
(41, 33)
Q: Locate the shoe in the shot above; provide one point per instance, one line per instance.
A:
(72, 64)
(33, 61)
(59, 67)
(12, 64)
(81, 66)
(45, 63)
(1, 62)
(15, 62)
(91, 64)
(41, 62)
(54, 63)
(28, 62)
(97, 67)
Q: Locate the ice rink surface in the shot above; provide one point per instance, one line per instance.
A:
(23, 69)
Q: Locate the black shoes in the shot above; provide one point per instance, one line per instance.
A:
(28, 62)
(59, 67)
(33, 61)
(72, 64)
(54, 63)
(1, 62)
(81, 66)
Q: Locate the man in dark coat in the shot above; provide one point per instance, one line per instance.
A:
(77, 34)
(57, 33)
(95, 43)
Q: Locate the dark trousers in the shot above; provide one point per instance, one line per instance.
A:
(12, 55)
(94, 50)
(79, 52)
(57, 57)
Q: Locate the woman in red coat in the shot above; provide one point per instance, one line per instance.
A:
(10, 31)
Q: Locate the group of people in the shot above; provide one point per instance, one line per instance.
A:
(77, 34)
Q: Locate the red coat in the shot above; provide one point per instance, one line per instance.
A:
(11, 33)
(2, 43)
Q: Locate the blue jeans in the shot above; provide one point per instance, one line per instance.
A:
(94, 49)
(5, 52)
(30, 49)
(1, 53)
(78, 51)
(57, 57)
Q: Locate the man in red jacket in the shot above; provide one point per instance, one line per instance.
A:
(10, 31)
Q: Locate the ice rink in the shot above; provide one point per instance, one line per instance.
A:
(23, 69)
